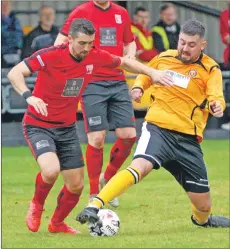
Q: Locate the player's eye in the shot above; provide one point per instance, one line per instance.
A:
(82, 43)
(192, 45)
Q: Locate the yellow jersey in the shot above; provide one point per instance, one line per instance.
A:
(184, 107)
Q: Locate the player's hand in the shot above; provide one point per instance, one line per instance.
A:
(39, 105)
(161, 77)
(216, 109)
(137, 94)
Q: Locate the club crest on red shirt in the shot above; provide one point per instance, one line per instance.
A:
(118, 19)
(89, 69)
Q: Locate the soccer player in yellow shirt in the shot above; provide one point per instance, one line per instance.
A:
(174, 126)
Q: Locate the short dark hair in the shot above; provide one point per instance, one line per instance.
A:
(139, 9)
(193, 27)
(166, 6)
(81, 25)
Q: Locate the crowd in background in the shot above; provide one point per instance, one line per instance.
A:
(18, 43)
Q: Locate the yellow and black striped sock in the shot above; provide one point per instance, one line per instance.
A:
(199, 216)
(116, 186)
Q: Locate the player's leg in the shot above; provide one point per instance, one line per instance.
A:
(94, 159)
(43, 148)
(121, 116)
(201, 209)
(118, 184)
(94, 109)
(126, 138)
(67, 200)
(151, 152)
(184, 177)
(71, 161)
(194, 180)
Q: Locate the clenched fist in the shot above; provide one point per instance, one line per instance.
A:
(136, 94)
(216, 109)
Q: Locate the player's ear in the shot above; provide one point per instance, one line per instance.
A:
(70, 39)
(203, 45)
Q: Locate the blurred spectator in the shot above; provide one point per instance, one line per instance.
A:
(166, 32)
(12, 36)
(43, 35)
(224, 31)
(143, 36)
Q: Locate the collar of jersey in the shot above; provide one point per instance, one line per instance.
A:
(96, 6)
(74, 58)
(198, 61)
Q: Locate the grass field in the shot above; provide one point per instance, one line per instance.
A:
(154, 214)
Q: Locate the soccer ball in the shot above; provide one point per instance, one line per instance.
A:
(107, 225)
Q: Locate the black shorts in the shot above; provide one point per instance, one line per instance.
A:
(178, 153)
(63, 141)
(107, 104)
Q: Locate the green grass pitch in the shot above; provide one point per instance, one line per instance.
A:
(154, 214)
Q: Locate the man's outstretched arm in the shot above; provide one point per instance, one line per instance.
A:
(136, 67)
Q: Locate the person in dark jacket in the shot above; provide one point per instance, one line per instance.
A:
(43, 35)
(166, 32)
(12, 36)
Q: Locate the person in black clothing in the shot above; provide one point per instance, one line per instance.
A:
(166, 32)
(12, 36)
(43, 35)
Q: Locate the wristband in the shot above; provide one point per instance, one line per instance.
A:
(26, 94)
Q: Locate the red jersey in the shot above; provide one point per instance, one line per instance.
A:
(61, 81)
(224, 25)
(113, 31)
(224, 31)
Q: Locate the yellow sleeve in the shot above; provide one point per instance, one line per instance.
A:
(214, 90)
(143, 81)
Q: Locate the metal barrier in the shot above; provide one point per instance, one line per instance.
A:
(15, 104)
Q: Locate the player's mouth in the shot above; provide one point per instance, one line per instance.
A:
(186, 54)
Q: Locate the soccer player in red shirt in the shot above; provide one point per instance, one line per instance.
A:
(108, 91)
(49, 123)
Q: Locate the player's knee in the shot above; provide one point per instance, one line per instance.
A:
(204, 206)
(97, 140)
(76, 187)
(143, 166)
(126, 133)
(50, 175)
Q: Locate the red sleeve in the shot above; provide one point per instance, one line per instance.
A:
(128, 35)
(75, 13)
(40, 59)
(108, 60)
(148, 55)
(224, 25)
